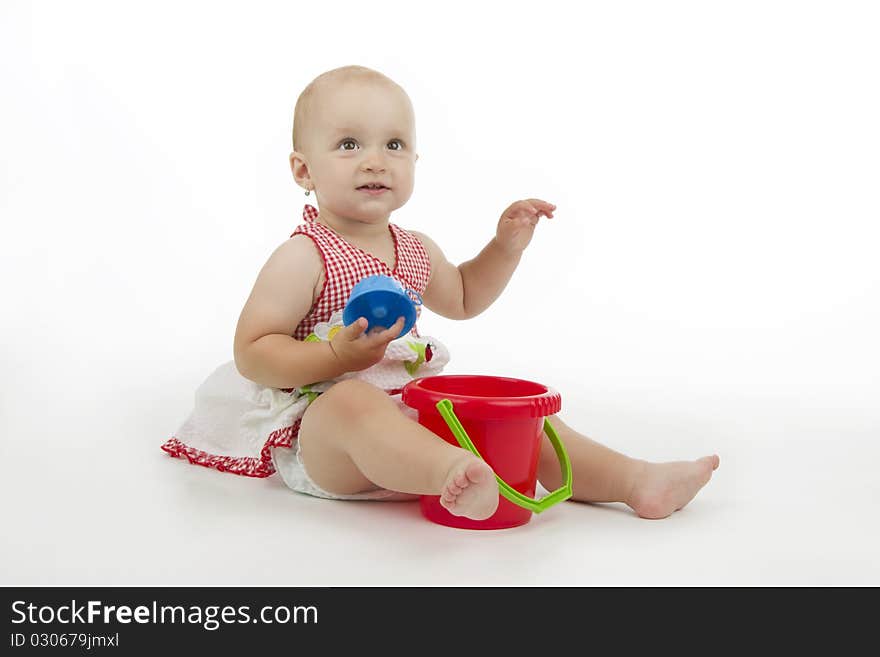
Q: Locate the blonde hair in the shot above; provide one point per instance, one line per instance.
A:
(341, 75)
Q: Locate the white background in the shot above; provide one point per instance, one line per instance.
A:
(710, 282)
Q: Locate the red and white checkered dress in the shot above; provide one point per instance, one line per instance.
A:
(346, 264)
(237, 424)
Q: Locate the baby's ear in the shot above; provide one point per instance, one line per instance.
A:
(299, 168)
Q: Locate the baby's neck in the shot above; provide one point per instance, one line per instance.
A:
(354, 228)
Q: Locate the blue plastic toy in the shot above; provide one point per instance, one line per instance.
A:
(381, 299)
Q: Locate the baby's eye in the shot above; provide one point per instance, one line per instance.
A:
(346, 142)
(395, 145)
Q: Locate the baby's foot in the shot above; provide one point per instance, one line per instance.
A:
(661, 488)
(470, 489)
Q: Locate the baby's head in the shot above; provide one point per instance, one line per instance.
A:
(353, 126)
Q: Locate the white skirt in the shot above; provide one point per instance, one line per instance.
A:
(241, 427)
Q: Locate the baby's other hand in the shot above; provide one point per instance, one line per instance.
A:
(357, 350)
(517, 224)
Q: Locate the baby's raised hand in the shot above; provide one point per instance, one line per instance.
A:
(357, 350)
(517, 224)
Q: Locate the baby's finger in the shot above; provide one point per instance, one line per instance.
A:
(394, 330)
(354, 330)
(542, 207)
(383, 336)
(529, 207)
(522, 210)
(542, 204)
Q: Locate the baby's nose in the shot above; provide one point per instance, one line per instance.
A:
(374, 162)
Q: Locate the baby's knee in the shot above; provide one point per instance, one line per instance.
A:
(352, 398)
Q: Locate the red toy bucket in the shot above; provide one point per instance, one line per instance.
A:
(500, 420)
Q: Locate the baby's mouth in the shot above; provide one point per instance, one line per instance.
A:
(373, 187)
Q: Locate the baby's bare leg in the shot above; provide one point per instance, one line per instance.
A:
(599, 474)
(353, 438)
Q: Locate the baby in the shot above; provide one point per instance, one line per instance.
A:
(318, 401)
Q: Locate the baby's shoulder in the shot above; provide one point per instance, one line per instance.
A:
(297, 260)
(299, 251)
(433, 250)
(426, 241)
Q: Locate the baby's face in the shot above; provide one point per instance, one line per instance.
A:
(361, 133)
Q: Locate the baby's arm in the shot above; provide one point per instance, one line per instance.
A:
(265, 351)
(467, 290)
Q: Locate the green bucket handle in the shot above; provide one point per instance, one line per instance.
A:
(560, 494)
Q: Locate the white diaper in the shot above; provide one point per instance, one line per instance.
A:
(289, 465)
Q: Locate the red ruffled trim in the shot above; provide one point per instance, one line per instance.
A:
(246, 466)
